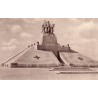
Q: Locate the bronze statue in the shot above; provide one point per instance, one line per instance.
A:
(47, 27)
(52, 28)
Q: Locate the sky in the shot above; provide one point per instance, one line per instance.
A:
(17, 33)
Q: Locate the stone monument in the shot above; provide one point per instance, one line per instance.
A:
(49, 41)
(49, 37)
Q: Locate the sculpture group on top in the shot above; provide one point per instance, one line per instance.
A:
(48, 28)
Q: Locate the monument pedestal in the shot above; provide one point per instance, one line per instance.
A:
(49, 39)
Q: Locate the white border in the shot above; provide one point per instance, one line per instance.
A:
(48, 9)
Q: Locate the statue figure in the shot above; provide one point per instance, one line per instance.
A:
(47, 27)
(52, 28)
(44, 26)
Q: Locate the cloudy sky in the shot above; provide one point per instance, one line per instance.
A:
(17, 34)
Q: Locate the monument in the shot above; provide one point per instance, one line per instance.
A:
(49, 41)
(50, 53)
(48, 34)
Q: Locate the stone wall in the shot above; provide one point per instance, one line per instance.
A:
(49, 39)
(49, 43)
(53, 48)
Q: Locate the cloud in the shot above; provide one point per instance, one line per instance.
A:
(75, 20)
(32, 20)
(15, 28)
(39, 20)
(25, 35)
(87, 30)
(9, 47)
(11, 42)
(81, 33)
(28, 20)
(86, 26)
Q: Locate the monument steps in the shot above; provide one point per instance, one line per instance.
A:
(74, 70)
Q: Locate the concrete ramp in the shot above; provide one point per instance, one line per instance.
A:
(77, 60)
(8, 62)
(36, 58)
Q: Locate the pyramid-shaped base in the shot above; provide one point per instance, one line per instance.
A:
(77, 60)
(36, 58)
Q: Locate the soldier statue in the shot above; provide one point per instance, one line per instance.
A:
(52, 29)
(47, 27)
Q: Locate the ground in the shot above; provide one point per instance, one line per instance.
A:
(41, 74)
